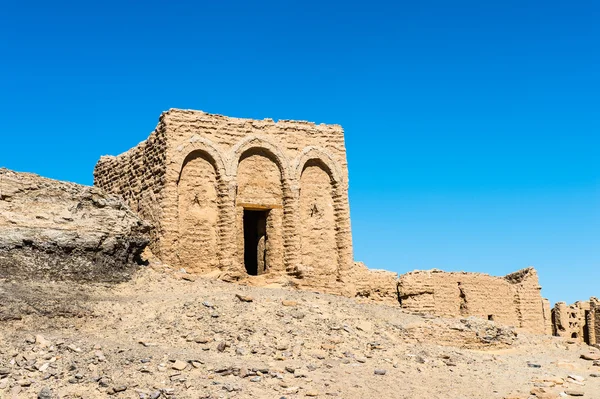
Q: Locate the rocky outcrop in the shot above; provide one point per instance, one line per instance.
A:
(65, 231)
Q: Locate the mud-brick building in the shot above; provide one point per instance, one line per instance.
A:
(239, 195)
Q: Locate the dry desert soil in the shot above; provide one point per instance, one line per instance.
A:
(167, 334)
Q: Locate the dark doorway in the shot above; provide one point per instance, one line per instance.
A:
(255, 241)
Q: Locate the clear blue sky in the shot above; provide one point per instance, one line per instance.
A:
(472, 127)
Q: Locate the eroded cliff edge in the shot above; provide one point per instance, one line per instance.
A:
(64, 231)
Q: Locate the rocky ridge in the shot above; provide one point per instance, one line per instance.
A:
(65, 231)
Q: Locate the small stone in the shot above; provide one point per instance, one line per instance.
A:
(298, 373)
(45, 393)
(380, 372)
(312, 393)
(241, 351)
(4, 371)
(360, 359)
(256, 379)
(222, 346)
(41, 341)
(202, 340)
(100, 356)
(244, 298)
(208, 304)
(24, 382)
(574, 392)
(577, 378)
(196, 364)
(595, 375)
(73, 348)
(120, 388)
(179, 365)
(591, 356)
(286, 302)
(534, 365)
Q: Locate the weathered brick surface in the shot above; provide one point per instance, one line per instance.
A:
(512, 300)
(579, 321)
(197, 172)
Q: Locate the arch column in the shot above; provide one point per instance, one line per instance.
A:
(344, 232)
(291, 222)
(227, 225)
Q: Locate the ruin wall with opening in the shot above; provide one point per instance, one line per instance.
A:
(512, 300)
(579, 321)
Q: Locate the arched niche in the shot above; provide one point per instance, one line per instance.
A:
(198, 213)
(318, 219)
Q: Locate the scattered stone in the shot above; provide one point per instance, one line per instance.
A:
(574, 392)
(147, 344)
(222, 346)
(45, 393)
(244, 298)
(41, 341)
(120, 388)
(534, 365)
(595, 375)
(312, 393)
(577, 378)
(179, 365)
(256, 379)
(208, 304)
(287, 302)
(73, 348)
(380, 371)
(593, 356)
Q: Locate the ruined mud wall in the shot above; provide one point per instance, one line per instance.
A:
(65, 231)
(138, 177)
(579, 321)
(511, 300)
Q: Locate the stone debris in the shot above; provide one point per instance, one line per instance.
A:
(244, 298)
(137, 340)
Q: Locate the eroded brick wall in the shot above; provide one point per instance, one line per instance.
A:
(138, 177)
(512, 300)
(579, 321)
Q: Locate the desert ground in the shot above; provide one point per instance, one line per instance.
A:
(169, 334)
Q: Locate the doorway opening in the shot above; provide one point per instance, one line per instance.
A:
(255, 241)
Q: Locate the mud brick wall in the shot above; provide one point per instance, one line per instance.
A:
(138, 177)
(513, 300)
(198, 173)
(579, 321)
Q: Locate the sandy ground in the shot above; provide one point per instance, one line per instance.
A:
(161, 335)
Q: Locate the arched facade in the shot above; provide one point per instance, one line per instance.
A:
(244, 196)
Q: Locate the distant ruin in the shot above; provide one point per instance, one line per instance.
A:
(579, 321)
(511, 300)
